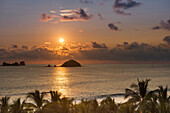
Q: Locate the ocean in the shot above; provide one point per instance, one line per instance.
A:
(88, 81)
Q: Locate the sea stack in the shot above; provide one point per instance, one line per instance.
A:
(71, 63)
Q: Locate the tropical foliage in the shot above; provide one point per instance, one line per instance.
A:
(140, 100)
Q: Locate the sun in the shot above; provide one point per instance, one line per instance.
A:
(61, 40)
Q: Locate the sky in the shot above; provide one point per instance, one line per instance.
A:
(93, 30)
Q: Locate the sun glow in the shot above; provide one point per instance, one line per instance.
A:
(61, 40)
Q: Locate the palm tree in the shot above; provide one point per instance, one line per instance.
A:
(140, 91)
(163, 93)
(84, 106)
(55, 96)
(157, 101)
(109, 105)
(17, 106)
(4, 104)
(37, 98)
(164, 100)
(149, 104)
(66, 105)
(94, 106)
(127, 108)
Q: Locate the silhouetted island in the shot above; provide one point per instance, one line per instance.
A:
(22, 63)
(71, 63)
(49, 65)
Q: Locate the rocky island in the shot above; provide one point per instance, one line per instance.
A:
(71, 63)
(22, 63)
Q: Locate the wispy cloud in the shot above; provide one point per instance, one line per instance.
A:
(100, 16)
(66, 11)
(75, 15)
(46, 17)
(53, 12)
(66, 15)
(121, 12)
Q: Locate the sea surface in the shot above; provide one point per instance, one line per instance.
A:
(89, 81)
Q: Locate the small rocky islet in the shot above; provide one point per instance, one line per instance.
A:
(22, 63)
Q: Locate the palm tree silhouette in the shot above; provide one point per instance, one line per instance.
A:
(109, 104)
(4, 104)
(37, 98)
(66, 105)
(17, 106)
(140, 91)
(164, 100)
(55, 96)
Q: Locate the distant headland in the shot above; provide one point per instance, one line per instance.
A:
(22, 63)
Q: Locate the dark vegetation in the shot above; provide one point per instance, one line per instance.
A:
(140, 100)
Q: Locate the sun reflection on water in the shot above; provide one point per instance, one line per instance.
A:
(60, 80)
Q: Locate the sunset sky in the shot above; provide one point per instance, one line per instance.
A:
(100, 30)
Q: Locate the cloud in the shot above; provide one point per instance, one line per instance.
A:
(24, 47)
(125, 5)
(46, 17)
(33, 54)
(125, 43)
(113, 27)
(92, 51)
(52, 11)
(167, 39)
(66, 15)
(96, 45)
(64, 48)
(156, 27)
(121, 12)
(14, 46)
(66, 11)
(168, 21)
(129, 52)
(86, 1)
(76, 15)
(163, 25)
(47, 43)
(118, 4)
(100, 16)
